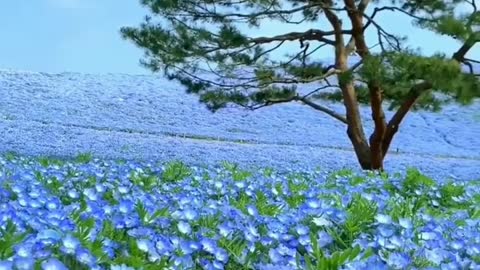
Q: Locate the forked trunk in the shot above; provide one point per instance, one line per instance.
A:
(355, 130)
(370, 158)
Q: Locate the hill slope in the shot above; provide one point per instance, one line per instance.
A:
(125, 116)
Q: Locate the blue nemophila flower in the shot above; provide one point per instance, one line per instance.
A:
(304, 240)
(145, 245)
(53, 264)
(126, 206)
(396, 241)
(24, 250)
(35, 203)
(24, 263)
(100, 188)
(450, 266)
(458, 244)
(123, 189)
(221, 255)
(107, 209)
(398, 260)
(23, 201)
(52, 205)
(70, 244)
(383, 219)
(474, 250)
(275, 256)
(429, 235)
(184, 227)
(286, 251)
(324, 239)
(91, 194)
(250, 229)
(34, 194)
(386, 230)
(189, 214)
(436, 256)
(84, 256)
(48, 234)
(405, 223)
(208, 245)
(121, 267)
(183, 262)
(252, 210)
(6, 265)
(267, 241)
(302, 229)
(225, 229)
(240, 185)
(188, 247)
(164, 246)
(314, 203)
(274, 235)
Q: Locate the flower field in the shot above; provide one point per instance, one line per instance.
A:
(90, 213)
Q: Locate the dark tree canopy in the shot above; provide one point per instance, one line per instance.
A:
(204, 45)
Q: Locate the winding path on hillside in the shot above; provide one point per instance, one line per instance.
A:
(125, 116)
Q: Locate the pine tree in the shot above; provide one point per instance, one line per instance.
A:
(200, 43)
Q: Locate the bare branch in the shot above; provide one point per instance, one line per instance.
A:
(321, 108)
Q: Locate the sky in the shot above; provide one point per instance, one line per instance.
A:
(83, 36)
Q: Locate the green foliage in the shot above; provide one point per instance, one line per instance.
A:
(236, 173)
(148, 218)
(234, 245)
(268, 172)
(449, 192)
(241, 202)
(70, 262)
(49, 161)
(52, 184)
(211, 222)
(245, 69)
(320, 261)
(416, 180)
(360, 217)
(9, 237)
(145, 181)
(109, 197)
(84, 158)
(9, 156)
(265, 208)
(176, 171)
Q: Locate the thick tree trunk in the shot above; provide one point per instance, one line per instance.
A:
(370, 158)
(375, 152)
(354, 121)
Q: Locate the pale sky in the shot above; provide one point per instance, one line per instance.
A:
(83, 36)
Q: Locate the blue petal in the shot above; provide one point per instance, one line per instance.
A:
(53, 264)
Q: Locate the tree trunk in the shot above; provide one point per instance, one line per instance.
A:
(355, 130)
(370, 158)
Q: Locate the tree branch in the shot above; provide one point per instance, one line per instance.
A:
(397, 118)
(312, 34)
(419, 89)
(305, 101)
(459, 55)
(351, 43)
(321, 108)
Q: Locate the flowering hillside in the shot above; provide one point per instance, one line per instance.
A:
(146, 117)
